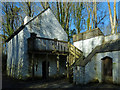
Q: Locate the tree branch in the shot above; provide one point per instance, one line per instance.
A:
(101, 19)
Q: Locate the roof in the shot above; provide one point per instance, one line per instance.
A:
(113, 45)
(88, 34)
(23, 26)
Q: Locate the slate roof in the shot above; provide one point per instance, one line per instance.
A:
(23, 26)
(113, 45)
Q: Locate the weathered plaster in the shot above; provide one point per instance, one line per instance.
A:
(79, 75)
(89, 44)
(52, 65)
(45, 25)
(112, 37)
(90, 71)
(93, 69)
(115, 59)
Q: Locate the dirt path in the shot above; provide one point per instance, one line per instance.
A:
(55, 84)
(13, 83)
(61, 83)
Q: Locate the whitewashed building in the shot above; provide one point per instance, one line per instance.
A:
(38, 48)
(102, 58)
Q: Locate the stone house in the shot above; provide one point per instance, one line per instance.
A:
(38, 48)
(101, 60)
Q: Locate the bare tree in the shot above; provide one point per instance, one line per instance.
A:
(113, 23)
(77, 15)
(94, 14)
(45, 4)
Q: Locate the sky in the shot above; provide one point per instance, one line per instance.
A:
(104, 6)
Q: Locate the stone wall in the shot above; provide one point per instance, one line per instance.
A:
(88, 34)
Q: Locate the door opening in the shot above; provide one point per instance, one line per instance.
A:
(107, 69)
(45, 69)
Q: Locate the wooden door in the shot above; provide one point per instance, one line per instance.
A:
(107, 70)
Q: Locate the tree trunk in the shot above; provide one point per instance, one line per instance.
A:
(58, 13)
(95, 15)
(112, 31)
(114, 16)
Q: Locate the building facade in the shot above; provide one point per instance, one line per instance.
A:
(102, 58)
(42, 60)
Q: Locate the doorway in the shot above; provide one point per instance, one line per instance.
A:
(107, 70)
(45, 69)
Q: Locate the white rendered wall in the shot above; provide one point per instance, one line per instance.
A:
(112, 37)
(16, 61)
(38, 73)
(81, 77)
(119, 67)
(78, 75)
(90, 71)
(93, 70)
(18, 58)
(38, 61)
(89, 44)
(46, 25)
(52, 66)
(116, 65)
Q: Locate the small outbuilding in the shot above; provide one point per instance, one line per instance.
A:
(102, 58)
